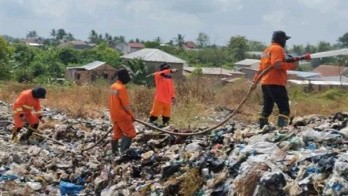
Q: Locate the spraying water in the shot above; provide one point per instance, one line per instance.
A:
(343, 51)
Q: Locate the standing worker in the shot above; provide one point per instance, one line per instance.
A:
(164, 95)
(274, 81)
(121, 114)
(27, 101)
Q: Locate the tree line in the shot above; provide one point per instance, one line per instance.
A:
(21, 62)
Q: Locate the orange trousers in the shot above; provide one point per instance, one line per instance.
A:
(124, 128)
(159, 108)
(29, 117)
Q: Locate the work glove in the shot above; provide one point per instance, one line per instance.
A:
(173, 100)
(133, 118)
(22, 117)
(252, 86)
(42, 120)
(290, 59)
(15, 138)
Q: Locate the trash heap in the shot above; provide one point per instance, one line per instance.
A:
(307, 158)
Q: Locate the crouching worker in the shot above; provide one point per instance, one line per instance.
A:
(27, 109)
(120, 113)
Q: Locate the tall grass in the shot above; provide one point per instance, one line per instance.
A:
(197, 99)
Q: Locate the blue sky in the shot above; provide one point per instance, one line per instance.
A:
(306, 21)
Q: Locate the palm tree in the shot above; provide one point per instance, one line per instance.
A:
(53, 33)
(93, 37)
(158, 39)
(138, 70)
(61, 34)
(179, 41)
(32, 34)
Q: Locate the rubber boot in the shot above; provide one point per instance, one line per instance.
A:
(263, 121)
(153, 120)
(125, 144)
(282, 120)
(29, 132)
(15, 132)
(165, 121)
(114, 147)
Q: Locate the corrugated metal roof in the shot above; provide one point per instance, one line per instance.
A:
(248, 62)
(334, 78)
(155, 55)
(303, 74)
(214, 71)
(324, 83)
(89, 66)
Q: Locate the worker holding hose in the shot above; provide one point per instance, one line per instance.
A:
(164, 95)
(121, 114)
(274, 81)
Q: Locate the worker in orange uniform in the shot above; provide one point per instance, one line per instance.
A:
(274, 81)
(27, 109)
(121, 114)
(164, 95)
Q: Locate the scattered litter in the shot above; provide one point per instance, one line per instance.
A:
(307, 158)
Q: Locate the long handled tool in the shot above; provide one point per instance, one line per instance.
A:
(99, 141)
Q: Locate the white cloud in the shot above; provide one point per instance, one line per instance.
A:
(322, 6)
(275, 19)
(307, 21)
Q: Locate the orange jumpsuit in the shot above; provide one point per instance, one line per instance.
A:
(273, 83)
(121, 118)
(164, 94)
(275, 53)
(25, 104)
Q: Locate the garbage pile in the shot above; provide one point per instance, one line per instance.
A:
(307, 158)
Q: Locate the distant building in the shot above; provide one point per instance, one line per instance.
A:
(122, 47)
(190, 45)
(249, 73)
(331, 70)
(292, 74)
(302, 75)
(91, 72)
(319, 83)
(126, 48)
(153, 58)
(77, 44)
(134, 46)
(36, 42)
(248, 63)
(215, 72)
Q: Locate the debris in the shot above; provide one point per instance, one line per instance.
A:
(67, 188)
(73, 157)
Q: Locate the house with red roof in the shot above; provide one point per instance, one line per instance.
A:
(331, 70)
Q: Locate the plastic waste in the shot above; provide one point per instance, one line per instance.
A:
(312, 170)
(34, 185)
(171, 169)
(8, 177)
(67, 188)
(193, 147)
(271, 184)
(311, 146)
